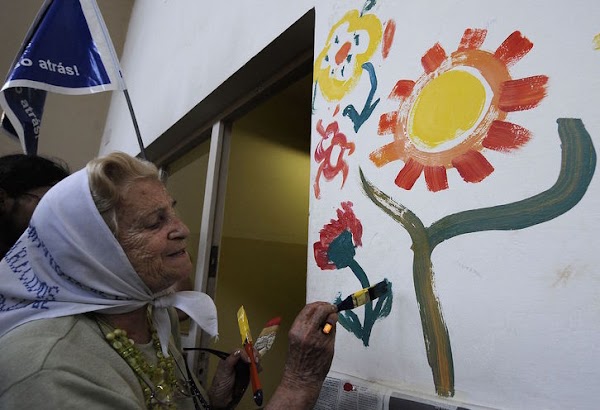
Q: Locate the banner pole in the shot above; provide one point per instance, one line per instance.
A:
(135, 125)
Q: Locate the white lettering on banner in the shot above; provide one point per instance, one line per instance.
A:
(35, 121)
(48, 65)
(58, 68)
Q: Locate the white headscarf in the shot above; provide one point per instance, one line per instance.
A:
(69, 262)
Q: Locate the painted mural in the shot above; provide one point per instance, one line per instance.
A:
(395, 144)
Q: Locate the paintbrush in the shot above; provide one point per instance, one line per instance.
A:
(359, 298)
(265, 340)
(363, 296)
(248, 347)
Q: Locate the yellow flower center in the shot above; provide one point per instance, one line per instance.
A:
(447, 107)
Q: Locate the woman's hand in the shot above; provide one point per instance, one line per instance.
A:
(310, 349)
(230, 380)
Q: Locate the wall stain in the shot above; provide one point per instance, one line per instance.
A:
(470, 269)
(563, 276)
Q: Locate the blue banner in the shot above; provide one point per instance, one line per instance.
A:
(67, 51)
(27, 107)
(61, 51)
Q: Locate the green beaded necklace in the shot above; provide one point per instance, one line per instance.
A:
(158, 381)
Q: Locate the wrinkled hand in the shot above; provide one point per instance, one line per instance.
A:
(226, 391)
(310, 350)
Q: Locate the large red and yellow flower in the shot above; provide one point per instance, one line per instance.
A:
(457, 109)
(351, 43)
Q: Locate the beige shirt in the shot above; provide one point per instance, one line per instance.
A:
(65, 363)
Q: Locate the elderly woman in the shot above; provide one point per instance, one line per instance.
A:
(86, 304)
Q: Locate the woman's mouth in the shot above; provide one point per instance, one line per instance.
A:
(177, 254)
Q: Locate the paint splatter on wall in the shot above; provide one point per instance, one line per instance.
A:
(400, 110)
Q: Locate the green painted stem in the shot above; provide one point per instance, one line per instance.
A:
(370, 318)
(359, 273)
(435, 332)
(577, 169)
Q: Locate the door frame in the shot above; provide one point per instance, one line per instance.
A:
(287, 59)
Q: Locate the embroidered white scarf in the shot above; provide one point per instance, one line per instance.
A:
(69, 262)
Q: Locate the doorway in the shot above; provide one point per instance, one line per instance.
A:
(253, 229)
(263, 246)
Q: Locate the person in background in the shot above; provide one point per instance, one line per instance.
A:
(24, 179)
(87, 298)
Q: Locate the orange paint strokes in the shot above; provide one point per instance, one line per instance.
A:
(388, 37)
(388, 153)
(522, 94)
(433, 58)
(409, 174)
(402, 89)
(494, 71)
(472, 39)
(506, 136)
(342, 53)
(513, 48)
(472, 166)
(436, 178)
(387, 123)
(337, 109)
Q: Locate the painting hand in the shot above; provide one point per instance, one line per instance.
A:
(310, 350)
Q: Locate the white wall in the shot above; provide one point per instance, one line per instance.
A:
(178, 52)
(520, 305)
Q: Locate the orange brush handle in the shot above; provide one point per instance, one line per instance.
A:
(256, 386)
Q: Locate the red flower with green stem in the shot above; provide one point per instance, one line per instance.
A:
(336, 249)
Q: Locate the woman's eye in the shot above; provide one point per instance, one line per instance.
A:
(155, 224)
(156, 221)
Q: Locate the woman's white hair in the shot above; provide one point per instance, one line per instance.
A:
(111, 176)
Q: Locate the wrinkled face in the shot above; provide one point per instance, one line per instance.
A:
(152, 235)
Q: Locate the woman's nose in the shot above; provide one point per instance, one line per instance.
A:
(180, 229)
